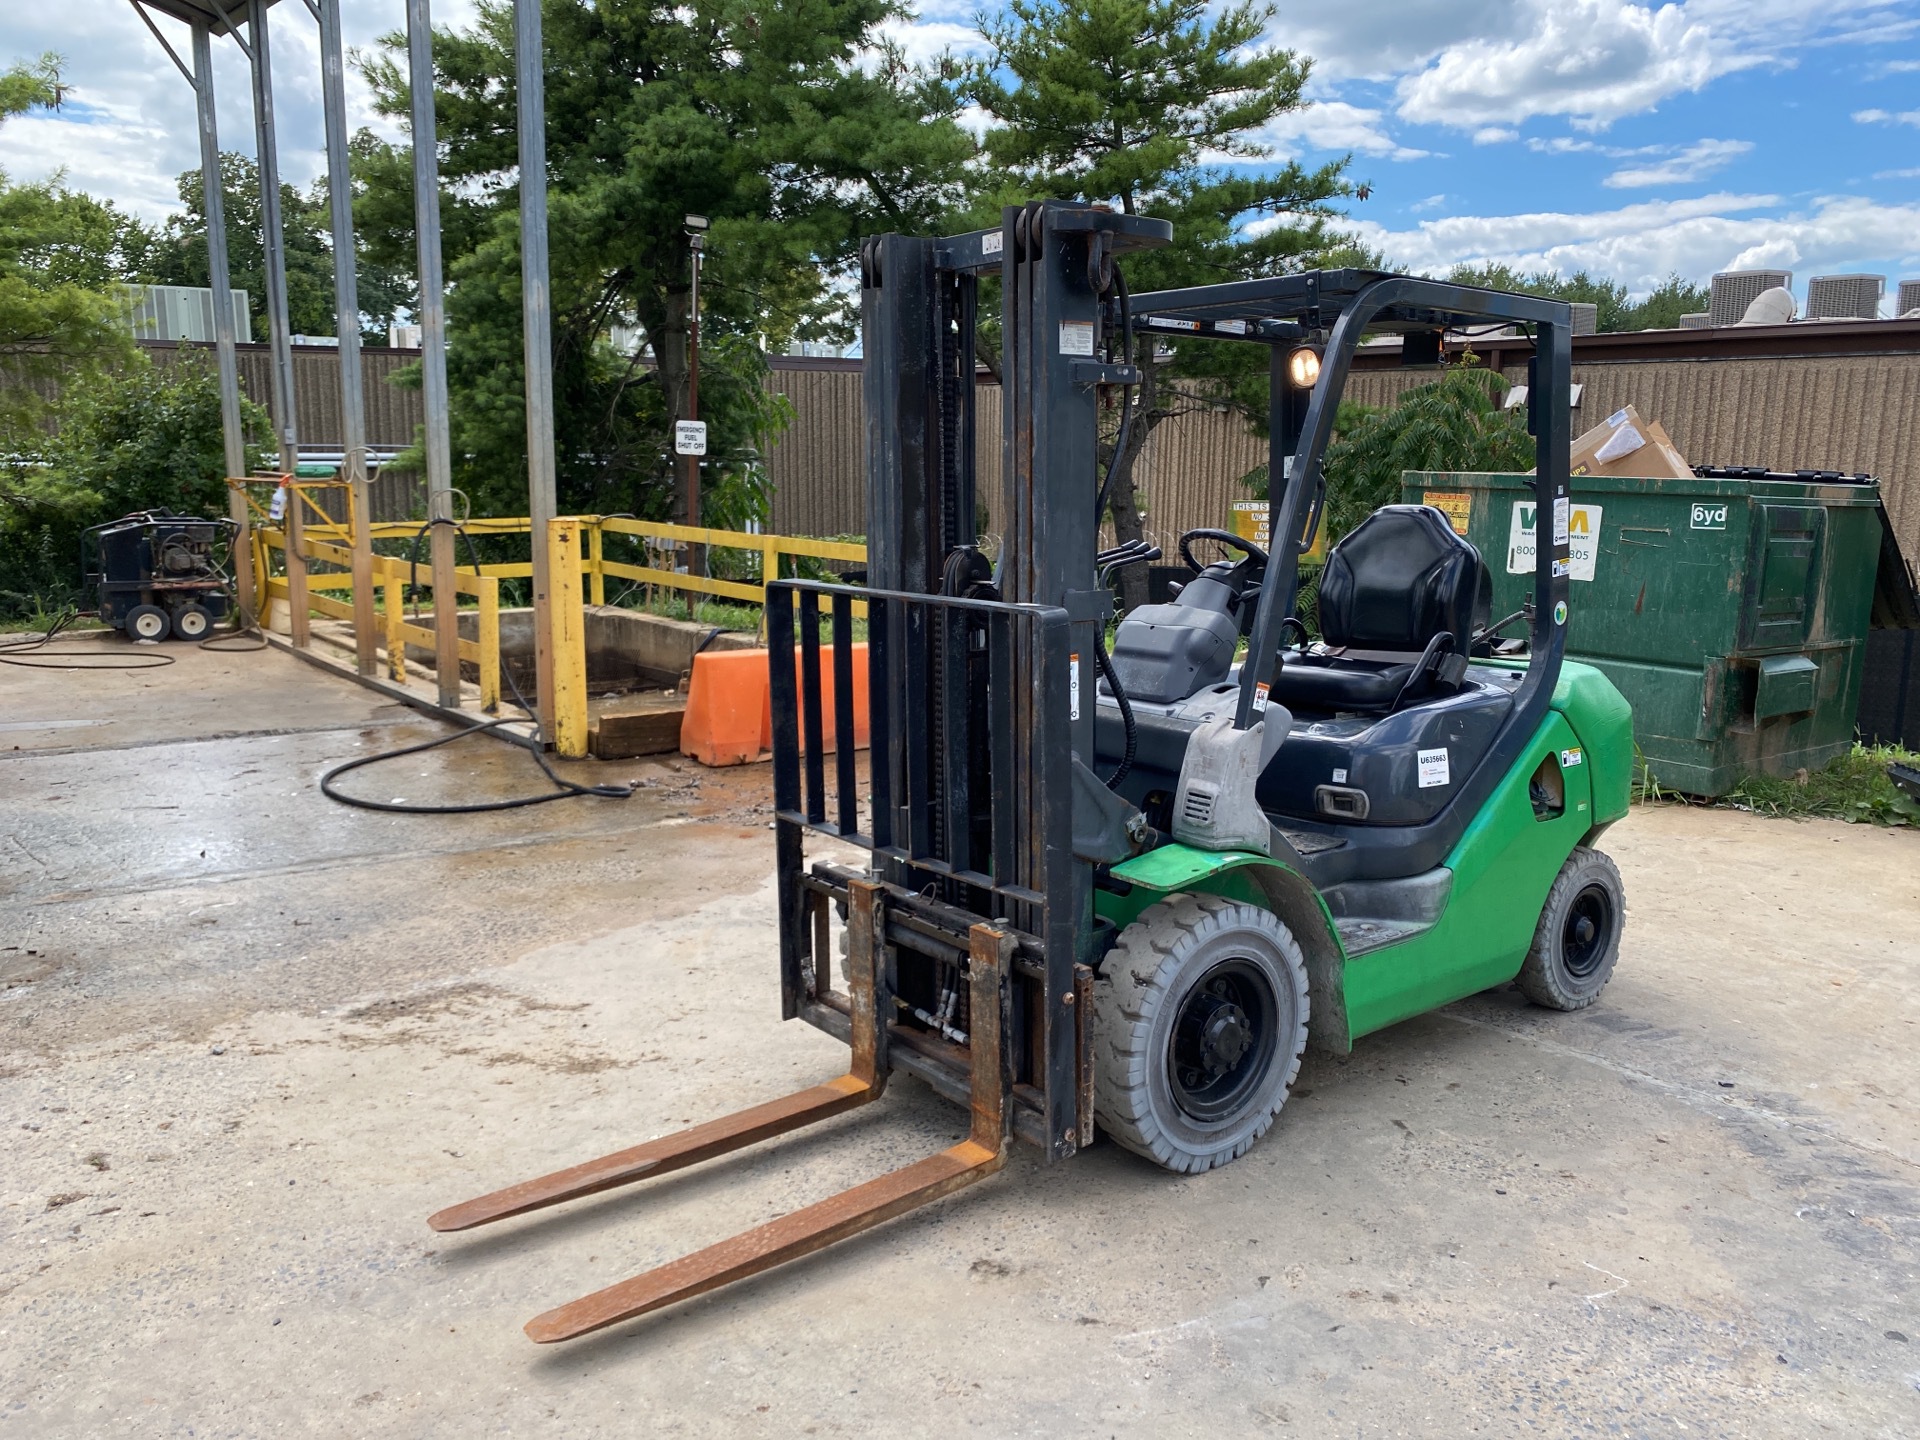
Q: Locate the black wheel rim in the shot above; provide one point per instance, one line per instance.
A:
(1223, 1041)
(1587, 932)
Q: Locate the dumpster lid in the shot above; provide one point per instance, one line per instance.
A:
(1761, 472)
(1896, 603)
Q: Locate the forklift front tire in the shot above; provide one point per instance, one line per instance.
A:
(1578, 938)
(1201, 1016)
(146, 622)
(192, 622)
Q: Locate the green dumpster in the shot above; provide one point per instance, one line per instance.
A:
(1731, 612)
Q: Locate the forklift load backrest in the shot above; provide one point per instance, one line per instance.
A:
(1401, 578)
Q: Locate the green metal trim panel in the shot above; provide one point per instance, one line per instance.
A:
(1502, 869)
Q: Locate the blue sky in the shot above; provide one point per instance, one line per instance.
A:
(1626, 139)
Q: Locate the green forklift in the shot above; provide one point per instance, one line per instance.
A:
(1118, 883)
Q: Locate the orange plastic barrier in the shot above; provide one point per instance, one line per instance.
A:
(729, 719)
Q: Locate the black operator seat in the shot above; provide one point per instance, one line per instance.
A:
(1400, 601)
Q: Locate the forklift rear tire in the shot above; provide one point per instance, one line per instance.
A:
(192, 622)
(1201, 1009)
(1578, 938)
(146, 622)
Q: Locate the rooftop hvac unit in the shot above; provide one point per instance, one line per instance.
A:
(1845, 297)
(1695, 320)
(1735, 290)
(183, 312)
(1909, 301)
(1586, 318)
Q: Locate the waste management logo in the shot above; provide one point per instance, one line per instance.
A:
(1583, 539)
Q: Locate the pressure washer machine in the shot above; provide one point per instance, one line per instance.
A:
(159, 574)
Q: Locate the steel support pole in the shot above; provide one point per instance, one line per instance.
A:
(273, 246)
(221, 283)
(346, 304)
(433, 350)
(273, 240)
(536, 308)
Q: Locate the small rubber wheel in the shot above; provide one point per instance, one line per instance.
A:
(147, 622)
(1201, 1016)
(1578, 938)
(192, 622)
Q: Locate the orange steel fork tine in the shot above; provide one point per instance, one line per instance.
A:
(817, 1226)
(659, 1157)
(864, 1082)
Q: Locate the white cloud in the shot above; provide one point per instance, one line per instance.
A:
(924, 41)
(1494, 135)
(1910, 174)
(1591, 60)
(1335, 125)
(1479, 64)
(1887, 117)
(1640, 244)
(1432, 202)
(1695, 162)
(130, 129)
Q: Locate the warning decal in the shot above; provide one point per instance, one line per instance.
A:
(1456, 505)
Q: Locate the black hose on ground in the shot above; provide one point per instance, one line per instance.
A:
(564, 789)
(34, 654)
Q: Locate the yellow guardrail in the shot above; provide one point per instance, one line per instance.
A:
(318, 539)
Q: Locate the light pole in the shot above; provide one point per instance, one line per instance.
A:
(696, 245)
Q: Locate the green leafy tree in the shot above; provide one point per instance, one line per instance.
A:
(142, 436)
(787, 122)
(178, 256)
(1666, 303)
(1616, 311)
(30, 85)
(1454, 423)
(59, 318)
(1157, 107)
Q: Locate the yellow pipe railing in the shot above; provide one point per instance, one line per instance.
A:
(328, 542)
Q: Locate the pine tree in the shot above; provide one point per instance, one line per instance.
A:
(788, 123)
(1157, 107)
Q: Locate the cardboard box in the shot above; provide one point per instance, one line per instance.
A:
(1626, 444)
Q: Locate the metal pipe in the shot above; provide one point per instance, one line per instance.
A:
(271, 235)
(220, 280)
(536, 307)
(433, 350)
(346, 304)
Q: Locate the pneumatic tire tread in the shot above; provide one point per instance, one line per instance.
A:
(1545, 977)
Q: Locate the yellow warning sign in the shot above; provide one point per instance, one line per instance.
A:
(1456, 505)
(1249, 521)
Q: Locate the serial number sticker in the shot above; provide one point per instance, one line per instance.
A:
(1434, 769)
(1571, 758)
(1339, 777)
(1073, 687)
(991, 242)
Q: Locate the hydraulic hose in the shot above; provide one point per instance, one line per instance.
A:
(1126, 397)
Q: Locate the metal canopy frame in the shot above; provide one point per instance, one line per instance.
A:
(246, 22)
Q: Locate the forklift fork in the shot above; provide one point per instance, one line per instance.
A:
(817, 1226)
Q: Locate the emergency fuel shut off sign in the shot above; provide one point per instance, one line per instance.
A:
(689, 437)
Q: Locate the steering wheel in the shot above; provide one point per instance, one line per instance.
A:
(1225, 537)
